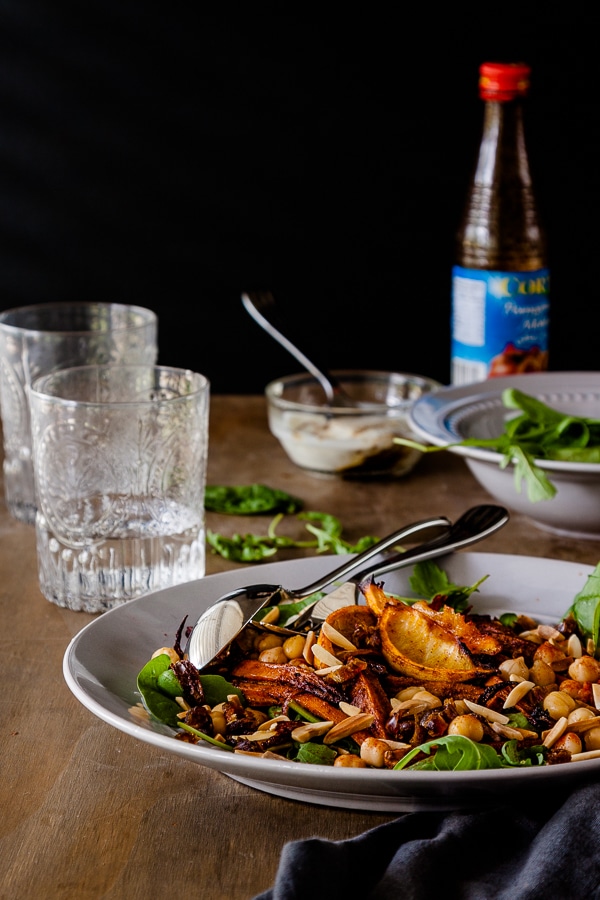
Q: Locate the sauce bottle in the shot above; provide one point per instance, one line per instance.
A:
(500, 282)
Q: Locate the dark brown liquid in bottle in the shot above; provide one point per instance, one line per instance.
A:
(500, 319)
(501, 227)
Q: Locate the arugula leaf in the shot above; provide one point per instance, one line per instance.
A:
(249, 500)
(287, 610)
(328, 535)
(254, 547)
(540, 432)
(453, 753)
(512, 755)
(429, 581)
(205, 737)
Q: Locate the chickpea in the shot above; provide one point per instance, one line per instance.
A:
(372, 752)
(558, 704)
(170, 652)
(585, 668)
(591, 738)
(350, 761)
(515, 667)
(579, 715)
(541, 673)
(294, 646)
(570, 742)
(468, 726)
(267, 641)
(550, 654)
(579, 690)
(274, 655)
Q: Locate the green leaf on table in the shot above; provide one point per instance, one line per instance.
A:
(249, 500)
(252, 548)
(328, 532)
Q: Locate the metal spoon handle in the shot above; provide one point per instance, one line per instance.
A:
(474, 525)
(327, 381)
(482, 522)
(358, 561)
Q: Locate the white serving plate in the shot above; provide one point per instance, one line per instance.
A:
(476, 411)
(102, 661)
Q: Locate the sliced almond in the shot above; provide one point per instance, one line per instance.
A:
(325, 656)
(507, 731)
(310, 730)
(327, 670)
(256, 736)
(549, 632)
(349, 726)
(584, 724)
(517, 693)
(574, 647)
(336, 637)
(489, 714)
(309, 643)
(586, 754)
(271, 616)
(348, 708)
(270, 724)
(596, 695)
(557, 730)
(533, 636)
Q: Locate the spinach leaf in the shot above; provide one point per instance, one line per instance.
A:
(249, 500)
(316, 754)
(585, 609)
(158, 685)
(159, 704)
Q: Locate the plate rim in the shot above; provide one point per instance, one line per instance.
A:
(449, 399)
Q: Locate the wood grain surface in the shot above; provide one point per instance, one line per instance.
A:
(89, 812)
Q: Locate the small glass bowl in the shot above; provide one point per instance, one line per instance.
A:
(348, 441)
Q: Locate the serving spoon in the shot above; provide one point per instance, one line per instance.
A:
(223, 621)
(474, 525)
(262, 307)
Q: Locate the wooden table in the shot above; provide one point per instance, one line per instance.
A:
(90, 812)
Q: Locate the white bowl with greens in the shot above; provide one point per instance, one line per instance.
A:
(532, 441)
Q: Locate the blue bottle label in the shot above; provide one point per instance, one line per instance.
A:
(499, 323)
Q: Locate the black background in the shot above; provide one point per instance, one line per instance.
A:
(165, 156)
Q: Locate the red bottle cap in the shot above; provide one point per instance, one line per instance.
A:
(503, 81)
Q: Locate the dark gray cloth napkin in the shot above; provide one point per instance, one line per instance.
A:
(544, 848)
